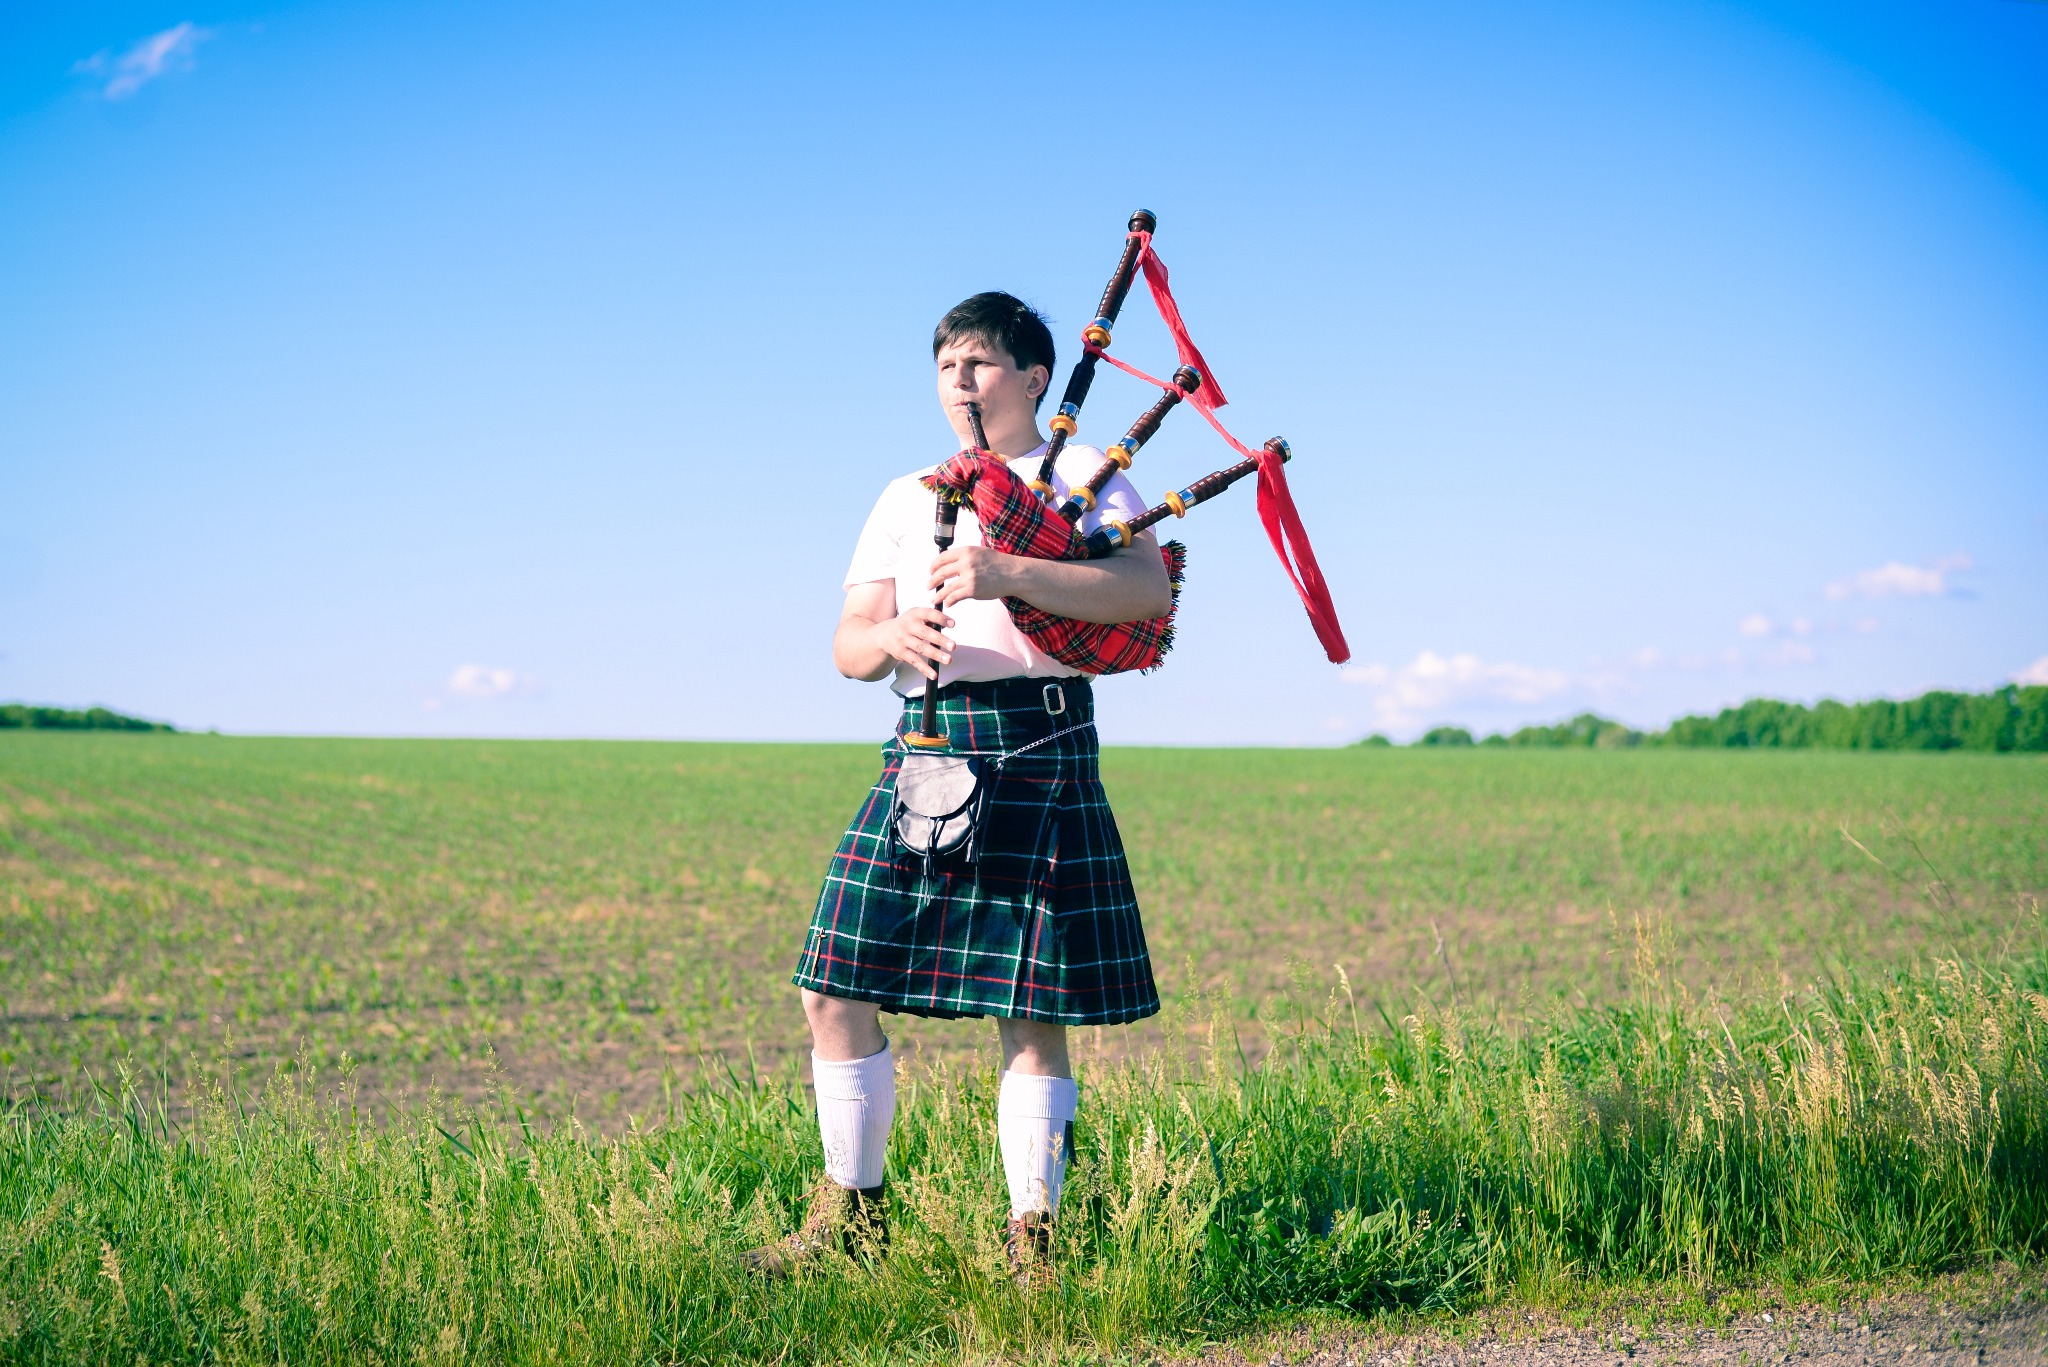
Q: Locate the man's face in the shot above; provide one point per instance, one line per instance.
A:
(974, 371)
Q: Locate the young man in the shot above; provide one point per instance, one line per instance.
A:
(1041, 930)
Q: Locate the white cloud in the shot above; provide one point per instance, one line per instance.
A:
(144, 60)
(1437, 689)
(1756, 624)
(2035, 673)
(1778, 645)
(484, 681)
(1420, 691)
(1896, 580)
(480, 683)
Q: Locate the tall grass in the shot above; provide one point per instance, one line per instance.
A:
(1867, 1126)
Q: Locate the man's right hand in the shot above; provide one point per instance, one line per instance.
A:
(914, 636)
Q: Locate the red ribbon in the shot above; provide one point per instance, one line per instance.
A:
(1276, 502)
(1210, 396)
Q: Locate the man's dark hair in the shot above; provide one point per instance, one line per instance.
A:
(1001, 320)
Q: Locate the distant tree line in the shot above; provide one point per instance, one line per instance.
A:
(2006, 719)
(17, 716)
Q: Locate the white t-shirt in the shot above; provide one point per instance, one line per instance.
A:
(896, 544)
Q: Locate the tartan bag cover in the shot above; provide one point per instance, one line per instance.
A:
(1043, 925)
(1014, 520)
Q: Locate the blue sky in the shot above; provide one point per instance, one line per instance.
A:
(500, 369)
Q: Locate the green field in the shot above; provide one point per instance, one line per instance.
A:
(582, 921)
(1444, 1029)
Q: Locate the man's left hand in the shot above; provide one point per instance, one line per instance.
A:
(972, 572)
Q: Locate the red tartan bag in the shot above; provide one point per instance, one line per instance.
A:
(1015, 521)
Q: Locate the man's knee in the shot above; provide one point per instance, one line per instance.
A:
(1035, 1046)
(841, 1027)
(1036, 1034)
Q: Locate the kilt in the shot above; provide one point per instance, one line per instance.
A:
(1043, 926)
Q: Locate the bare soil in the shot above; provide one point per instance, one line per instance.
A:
(1999, 1320)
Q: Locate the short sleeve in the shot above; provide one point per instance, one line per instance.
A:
(880, 548)
(1120, 499)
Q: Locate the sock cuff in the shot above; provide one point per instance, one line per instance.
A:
(855, 1079)
(1046, 1098)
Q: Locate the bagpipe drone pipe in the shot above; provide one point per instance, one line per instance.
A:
(1015, 515)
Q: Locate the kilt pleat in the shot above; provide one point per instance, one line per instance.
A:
(1043, 926)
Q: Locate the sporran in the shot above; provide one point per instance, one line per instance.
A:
(942, 799)
(941, 803)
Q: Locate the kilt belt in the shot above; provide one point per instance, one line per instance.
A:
(1043, 925)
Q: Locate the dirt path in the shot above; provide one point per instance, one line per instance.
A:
(2007, 1324)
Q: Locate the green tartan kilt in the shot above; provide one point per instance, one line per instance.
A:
(1044, 925)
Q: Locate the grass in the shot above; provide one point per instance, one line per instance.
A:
(584, 922)
(1870, 1126)
(420, 1051)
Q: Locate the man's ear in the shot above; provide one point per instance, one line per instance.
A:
(1036, 384)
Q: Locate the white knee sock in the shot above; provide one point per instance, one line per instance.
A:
(856, 1103)
(1034, 1121)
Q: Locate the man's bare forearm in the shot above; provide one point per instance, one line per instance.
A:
(873, 638)
(857, 653)
(1129, 586)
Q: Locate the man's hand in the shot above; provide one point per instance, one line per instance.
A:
(873, 637)
(973, 572)
(913, 636)
(1128, 586)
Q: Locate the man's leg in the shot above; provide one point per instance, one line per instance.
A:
(856, 1083)
(1035, 1116)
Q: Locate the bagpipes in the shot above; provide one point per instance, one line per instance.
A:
(1016, 516)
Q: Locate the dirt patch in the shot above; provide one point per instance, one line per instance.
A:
(2002, 1322)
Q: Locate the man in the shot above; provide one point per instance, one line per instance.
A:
(1041, 929)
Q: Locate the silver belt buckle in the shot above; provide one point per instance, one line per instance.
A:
(1054, 693)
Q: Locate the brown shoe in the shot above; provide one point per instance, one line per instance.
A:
(847, 1220)
(1027, 1244)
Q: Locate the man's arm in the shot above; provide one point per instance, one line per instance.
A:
(873, 636)
(1128, 586)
